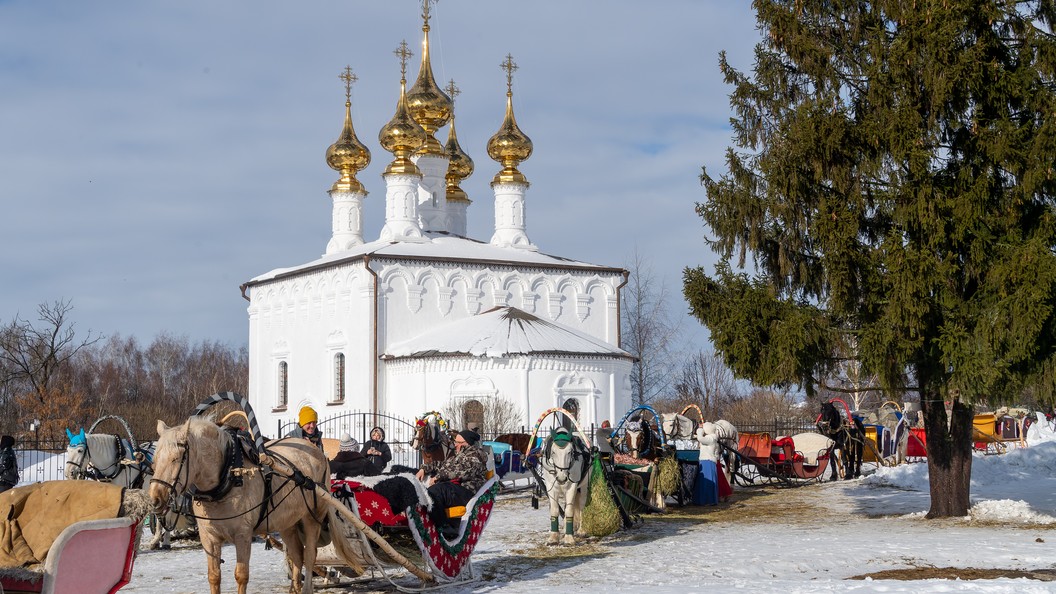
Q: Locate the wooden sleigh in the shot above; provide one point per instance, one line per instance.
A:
(88, 557)
(761, 458)
(439, 559)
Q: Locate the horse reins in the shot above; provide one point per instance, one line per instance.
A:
(228, 480)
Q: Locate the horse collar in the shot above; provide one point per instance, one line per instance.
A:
(229, 479)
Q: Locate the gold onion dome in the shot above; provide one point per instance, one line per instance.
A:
(426, 101)
(509, 146)
(348, 155)
(460, 166)
(402, 135)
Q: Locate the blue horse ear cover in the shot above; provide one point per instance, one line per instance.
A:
(77, 438)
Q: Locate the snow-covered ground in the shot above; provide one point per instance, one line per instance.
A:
(815, 538)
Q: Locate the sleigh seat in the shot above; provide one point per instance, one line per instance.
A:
(88, 557)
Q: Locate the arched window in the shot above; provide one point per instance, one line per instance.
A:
(572, 406)
(284, 384)
(473, 414)
(339, 377)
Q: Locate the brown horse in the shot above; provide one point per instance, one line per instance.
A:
(433, 440)
(194, 460)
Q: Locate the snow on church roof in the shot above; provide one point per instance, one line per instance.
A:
(501, 332)
(439, 246)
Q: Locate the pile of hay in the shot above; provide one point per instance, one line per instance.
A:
(670, 476)
(601, 516)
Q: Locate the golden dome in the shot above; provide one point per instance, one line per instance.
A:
(426, 101)
(509, 146)
(348, 155)
(460, 166)
(402, 135)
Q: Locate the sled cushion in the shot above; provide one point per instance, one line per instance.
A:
(812, 445)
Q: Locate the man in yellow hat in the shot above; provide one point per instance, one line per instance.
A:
(308, 426)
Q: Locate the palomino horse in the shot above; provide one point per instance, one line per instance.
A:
(432, 440)
(566, 464)
(199, 461)
(849, 438)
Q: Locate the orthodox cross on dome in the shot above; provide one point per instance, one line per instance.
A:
(452, 90)
(403, 53)
(349, 77)
(425, 9)
(509, 66)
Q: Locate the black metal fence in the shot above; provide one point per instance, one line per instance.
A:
(41, 460)
(398, 432)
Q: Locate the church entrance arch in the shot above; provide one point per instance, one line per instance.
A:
(577, 395)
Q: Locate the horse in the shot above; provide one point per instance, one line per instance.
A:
(432, 440)
(641, 440)
(235, 498)
(849, 438)
(566, 462)
(106, 458)
(676, 426)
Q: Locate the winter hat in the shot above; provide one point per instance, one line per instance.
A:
(7, 441)
(307, 415)
(471, 437)
(348, 444)
(380, 430)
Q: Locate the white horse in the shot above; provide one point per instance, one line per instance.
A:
(727, 436)
(234, 502)
(106, 458)
(677, 427)
(566, 464)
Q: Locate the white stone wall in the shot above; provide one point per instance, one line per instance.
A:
(305, 320)
(533, 384)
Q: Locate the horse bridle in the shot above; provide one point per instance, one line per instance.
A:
(92, 471)
(177, 498)
(577, 454)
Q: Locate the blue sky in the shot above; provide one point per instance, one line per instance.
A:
(154, 156)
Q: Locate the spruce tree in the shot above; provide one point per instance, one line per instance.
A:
(893, 182)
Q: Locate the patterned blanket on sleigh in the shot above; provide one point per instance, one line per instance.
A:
(378, 501)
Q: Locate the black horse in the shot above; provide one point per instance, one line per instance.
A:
(850, 439)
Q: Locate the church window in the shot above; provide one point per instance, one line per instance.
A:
(473, 414)
(284, 384)
(572, 406)
(339, 377)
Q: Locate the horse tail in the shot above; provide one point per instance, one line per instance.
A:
(347, 540)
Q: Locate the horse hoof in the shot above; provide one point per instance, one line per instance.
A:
(553, 539)
(569, 540)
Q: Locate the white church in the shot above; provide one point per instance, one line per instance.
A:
(423, 318)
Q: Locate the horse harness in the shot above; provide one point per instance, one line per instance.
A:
(239, 448)
(93, 472)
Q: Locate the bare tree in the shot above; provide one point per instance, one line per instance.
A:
(648, 333)
(34, 354)
(496, 415)
(705, 381)
(764, 407)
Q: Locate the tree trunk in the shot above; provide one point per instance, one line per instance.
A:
(949, 442)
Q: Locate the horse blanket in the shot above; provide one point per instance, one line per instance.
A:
(32, 517)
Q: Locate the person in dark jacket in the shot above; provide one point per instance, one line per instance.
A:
(458, 479)
(308, 427)
(349, 462)
(8, 463)
(376, 450)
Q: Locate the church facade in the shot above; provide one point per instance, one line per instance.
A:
(424, 318)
